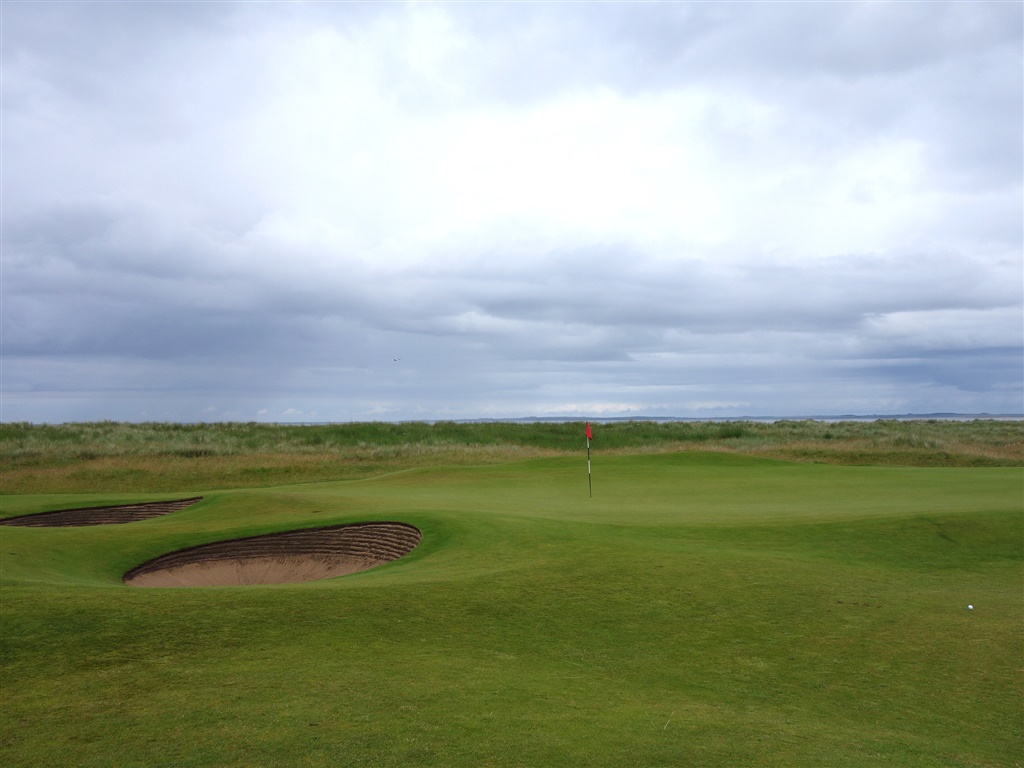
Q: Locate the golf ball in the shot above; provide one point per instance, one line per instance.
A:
(970, 607)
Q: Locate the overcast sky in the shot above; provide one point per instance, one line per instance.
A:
(347, 211)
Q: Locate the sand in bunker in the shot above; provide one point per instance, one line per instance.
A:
(251, 570)
(280, 558)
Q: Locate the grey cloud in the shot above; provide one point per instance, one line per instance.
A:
(629, 303)
(668, 45)
(838, 292)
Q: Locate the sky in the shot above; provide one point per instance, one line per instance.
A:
(344, 211)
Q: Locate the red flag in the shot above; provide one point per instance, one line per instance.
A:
(590, 435)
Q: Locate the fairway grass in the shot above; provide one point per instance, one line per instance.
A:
(703, 608)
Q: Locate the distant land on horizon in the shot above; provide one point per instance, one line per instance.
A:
(817, 417)
(606, 419)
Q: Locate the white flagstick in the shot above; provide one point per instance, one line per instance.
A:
(590, 482)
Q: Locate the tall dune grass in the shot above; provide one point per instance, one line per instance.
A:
(82, 457)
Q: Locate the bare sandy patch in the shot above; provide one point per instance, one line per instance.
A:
(280, 558)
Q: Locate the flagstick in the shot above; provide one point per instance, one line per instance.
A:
(590, 483)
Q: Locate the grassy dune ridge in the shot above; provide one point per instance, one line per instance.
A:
(116, 456)
(713, 604)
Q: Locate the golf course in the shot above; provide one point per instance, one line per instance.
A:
(713, 594)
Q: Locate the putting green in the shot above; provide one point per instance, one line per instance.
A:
(701, 609)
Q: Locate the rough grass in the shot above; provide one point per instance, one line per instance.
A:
(114, 456)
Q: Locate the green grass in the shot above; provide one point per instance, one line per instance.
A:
(711, 608)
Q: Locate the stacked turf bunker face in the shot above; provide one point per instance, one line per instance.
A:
(279, 558)
(123, 513)
(274, 558)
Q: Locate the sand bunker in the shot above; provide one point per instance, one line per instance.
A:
(125, 513)
(280, 558)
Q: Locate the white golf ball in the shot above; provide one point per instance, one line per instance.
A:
(970, 607)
